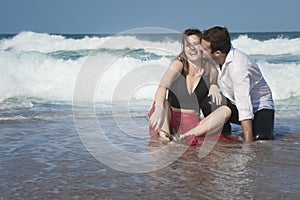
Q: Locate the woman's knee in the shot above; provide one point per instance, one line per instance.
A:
(227, 111)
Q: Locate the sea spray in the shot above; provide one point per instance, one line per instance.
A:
(46, 66)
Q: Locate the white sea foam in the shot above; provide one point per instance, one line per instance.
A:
(275, 46)
(46, 43)
(27, 68)
(36, 75)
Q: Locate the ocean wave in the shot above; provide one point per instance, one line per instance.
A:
(47, 43)
(282, 78)
(28, 41)
(20, 104)
(274, 46)
(47, 66)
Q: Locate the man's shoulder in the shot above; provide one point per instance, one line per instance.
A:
(239, 53)
(241, 59)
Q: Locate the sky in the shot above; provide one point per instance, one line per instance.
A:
(115, 16)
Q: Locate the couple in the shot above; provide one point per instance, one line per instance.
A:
(191, 84)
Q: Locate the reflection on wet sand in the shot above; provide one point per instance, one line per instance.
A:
(223, 173)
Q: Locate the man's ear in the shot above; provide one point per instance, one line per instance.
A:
(218, 52)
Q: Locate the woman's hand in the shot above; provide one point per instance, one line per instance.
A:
(215, 94)
(157, 118)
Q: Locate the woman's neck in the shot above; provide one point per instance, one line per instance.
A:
(194, 67)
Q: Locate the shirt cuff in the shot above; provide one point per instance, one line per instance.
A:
(243, 115)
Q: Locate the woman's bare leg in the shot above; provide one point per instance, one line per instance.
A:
(211, 124)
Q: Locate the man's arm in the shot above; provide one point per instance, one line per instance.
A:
(247, 130)
(242, 86)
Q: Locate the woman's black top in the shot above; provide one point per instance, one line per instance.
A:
(179, 96)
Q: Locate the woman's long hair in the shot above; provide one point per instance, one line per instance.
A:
(182, 57)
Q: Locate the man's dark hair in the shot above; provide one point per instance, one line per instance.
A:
(219, 39)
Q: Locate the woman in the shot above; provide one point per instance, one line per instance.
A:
(189, 81)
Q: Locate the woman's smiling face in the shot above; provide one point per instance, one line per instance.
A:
(192, 48)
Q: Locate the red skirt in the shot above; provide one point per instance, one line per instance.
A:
(182, 123)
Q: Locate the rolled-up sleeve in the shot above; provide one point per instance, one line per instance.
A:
(242, 96)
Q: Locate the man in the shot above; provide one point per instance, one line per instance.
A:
(241, 82)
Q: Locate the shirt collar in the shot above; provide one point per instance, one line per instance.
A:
(230, 55)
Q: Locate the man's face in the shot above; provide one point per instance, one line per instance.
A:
(206, 46)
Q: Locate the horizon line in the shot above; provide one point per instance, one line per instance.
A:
(114, 33)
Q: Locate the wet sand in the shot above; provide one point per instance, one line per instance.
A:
(45, 159)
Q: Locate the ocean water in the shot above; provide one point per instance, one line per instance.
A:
(73, 121)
